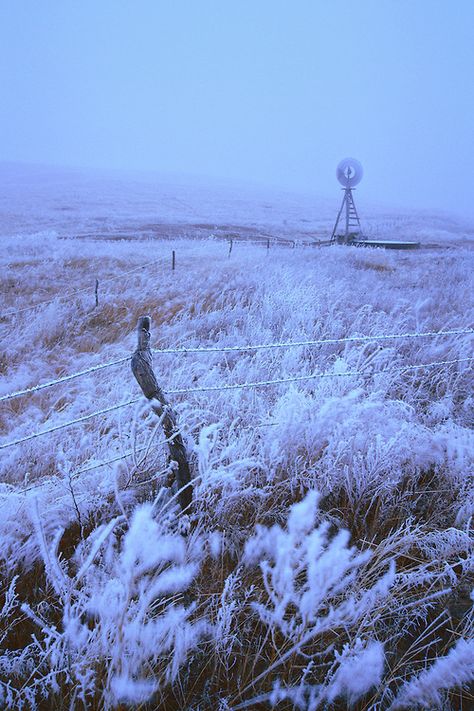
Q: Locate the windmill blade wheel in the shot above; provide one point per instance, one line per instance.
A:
(349, 172)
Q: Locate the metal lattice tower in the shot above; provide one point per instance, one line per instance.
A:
(349, 173)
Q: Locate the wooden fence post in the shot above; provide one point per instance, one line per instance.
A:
(142, 368)
(268, 245)
(231, 243)
(173, 261)
(96, 292)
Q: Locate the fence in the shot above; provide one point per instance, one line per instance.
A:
(171, 430)
(163, 410)
(237, 349)
(72, 294)
(236, 386)
(95, 289)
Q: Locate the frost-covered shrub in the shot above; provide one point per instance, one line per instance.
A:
(313, 587)
(304, 569)
(118, 630)
(426, 689)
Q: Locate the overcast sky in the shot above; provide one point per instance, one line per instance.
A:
(270, 91)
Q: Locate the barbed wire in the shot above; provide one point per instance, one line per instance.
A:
(61, 426)
(320, 341)
(63, 379)
(227, 349)
(71, 294)
(235, 386)
(312, 376)
(84, 470)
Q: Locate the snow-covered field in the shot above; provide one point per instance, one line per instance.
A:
(328, 559)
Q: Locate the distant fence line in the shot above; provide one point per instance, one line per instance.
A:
(95, 288)
(71, 294)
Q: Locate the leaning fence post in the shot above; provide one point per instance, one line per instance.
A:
(231, 244)
(142, 368)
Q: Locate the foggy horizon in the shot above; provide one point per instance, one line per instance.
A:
(265, 96)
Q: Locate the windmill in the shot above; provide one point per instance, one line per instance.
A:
(349, 173)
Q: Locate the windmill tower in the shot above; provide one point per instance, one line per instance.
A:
(349, 173)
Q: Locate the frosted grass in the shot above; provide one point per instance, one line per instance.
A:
(391, 455)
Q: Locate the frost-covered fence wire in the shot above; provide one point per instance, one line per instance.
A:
(236, 349)
(84, 470)
(71, 294)
(238, 386)
(298, 344)
(83, 418)
(312, 376)
(90, 467)
(64, 379)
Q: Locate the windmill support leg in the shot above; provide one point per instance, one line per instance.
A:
(352, 221)
(333, 236)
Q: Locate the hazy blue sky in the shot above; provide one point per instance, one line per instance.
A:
(263, 90)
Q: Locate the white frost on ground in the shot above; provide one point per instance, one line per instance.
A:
(390, 452)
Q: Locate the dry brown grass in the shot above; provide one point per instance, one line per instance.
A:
(3, 363)
(382, 268)
(110, 321)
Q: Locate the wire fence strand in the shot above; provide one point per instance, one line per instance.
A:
(319, 341)
(78, 472)
(311, 376)
(71, 294)
(236, 386)
(227, 349)
(63, 425)
(64, 379)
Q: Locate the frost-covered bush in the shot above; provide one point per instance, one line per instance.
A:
(313, 587)
(118, 629)
(305, 569)
(426, 689)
